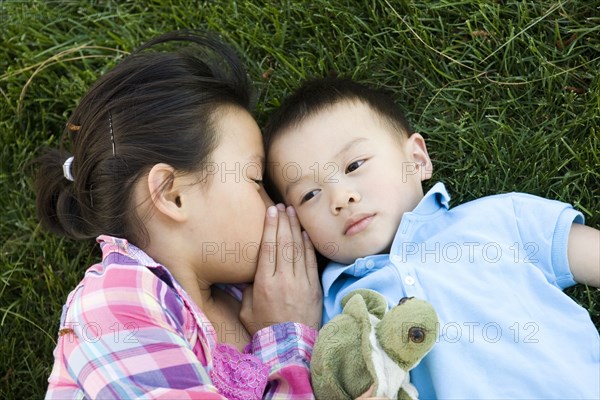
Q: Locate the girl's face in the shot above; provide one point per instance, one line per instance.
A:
(232, 202)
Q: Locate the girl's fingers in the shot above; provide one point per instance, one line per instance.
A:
(297, 248)
(247, 301)
(268, 246)
(277, 289)
(310, 258)
(284, 239)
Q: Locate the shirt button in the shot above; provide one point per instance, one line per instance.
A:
(396, 258)
(370, 264)
(409, 280)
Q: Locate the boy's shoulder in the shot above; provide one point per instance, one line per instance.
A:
(508, 213)
(441, 196)
(514, 199)
(510, 208)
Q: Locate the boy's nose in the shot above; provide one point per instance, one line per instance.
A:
(342, 199)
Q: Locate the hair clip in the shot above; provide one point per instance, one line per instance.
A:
(112, 135)
(67, 168)
(73, 127)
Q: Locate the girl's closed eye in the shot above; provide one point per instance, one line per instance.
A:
(253, 172)
(256, 178)
(354, 165)
(309, 195)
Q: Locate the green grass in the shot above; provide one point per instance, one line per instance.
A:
(506, 92)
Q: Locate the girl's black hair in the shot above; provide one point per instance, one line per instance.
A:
(153, 107)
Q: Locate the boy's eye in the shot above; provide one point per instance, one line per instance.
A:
(309, 196)
(353, 166)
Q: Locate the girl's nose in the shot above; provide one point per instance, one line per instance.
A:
(265, 197)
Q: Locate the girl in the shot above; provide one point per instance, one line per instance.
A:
(165, 171)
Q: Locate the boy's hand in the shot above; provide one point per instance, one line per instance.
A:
(286, 285)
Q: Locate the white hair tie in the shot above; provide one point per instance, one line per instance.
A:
(67, 168)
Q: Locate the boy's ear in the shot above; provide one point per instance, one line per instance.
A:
(418, 150)
(165, 191)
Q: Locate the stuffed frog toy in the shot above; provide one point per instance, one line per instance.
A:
(368, 345)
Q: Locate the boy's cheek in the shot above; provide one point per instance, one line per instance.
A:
(310, 225)
(321, 235)
(328, 249)
(304, 221)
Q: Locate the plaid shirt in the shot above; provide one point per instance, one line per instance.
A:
(129, 330)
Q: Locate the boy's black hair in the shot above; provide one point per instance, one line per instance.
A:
(153, 107)
(316, 95)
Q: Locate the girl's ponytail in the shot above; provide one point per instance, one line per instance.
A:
(57, 206)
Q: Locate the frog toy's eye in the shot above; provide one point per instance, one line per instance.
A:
(404, 300)
(416, 334)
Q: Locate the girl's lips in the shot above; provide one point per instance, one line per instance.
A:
(357, 225)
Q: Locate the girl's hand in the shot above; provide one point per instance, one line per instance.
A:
(286, 285)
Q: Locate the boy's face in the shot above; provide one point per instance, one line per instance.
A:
(350, 178)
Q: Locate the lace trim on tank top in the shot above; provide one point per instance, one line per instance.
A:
(238, 375)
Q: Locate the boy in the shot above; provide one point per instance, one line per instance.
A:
(344, 156)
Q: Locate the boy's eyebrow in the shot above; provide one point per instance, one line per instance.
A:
(337, 155)
(293, 185)
(349, 145)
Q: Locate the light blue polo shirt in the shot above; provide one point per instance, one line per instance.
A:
(494, 269)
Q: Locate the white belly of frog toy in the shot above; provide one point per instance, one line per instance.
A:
(365, 346)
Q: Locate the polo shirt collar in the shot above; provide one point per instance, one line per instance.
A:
(436, 198)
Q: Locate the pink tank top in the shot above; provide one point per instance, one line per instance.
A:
(238, 376)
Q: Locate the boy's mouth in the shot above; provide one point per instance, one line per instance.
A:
(357, 223)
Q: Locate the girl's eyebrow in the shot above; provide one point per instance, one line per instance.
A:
(337, 156)
(255, 158)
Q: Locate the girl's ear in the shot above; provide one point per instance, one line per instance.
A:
(418, 150)
(165, 191)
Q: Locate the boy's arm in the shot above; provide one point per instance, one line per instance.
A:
(584, 254)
